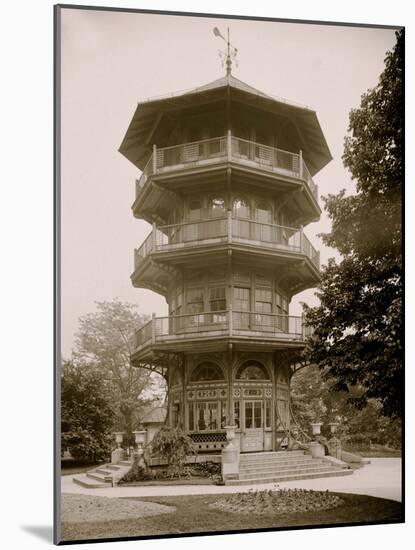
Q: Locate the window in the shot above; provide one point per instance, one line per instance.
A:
(217, 207)
(240, 208)
(263, 305)
(217, 302)
(241, 299)
(263, 212)
(194, 300)
(195, 210)
(205, 416)
(252, 370)
(207, 372)
(253, 414)
(281, 306)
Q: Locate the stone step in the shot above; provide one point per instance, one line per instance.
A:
(309, 469)
(113, 467)
(99, 477)
(286, 456)
(104, 471)
(276, 463)
(295, 477)
(90, 483)
(277, 454)
(288, 467)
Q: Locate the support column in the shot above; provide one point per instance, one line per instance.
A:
(273, 399)
(154, 158)
(229, 363)
(300, 160)
(184, 384)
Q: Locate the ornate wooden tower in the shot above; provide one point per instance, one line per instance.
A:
(227, 185)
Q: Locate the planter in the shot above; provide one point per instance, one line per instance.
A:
(333, 427)
(315, 427)
(119, 437)
(140, 437)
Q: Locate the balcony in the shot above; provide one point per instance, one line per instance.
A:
(168, 332)
(227, 149)
(226, 230)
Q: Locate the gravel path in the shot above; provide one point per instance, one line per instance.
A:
(84, 508)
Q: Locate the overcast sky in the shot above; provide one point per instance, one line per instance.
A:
(111, 60)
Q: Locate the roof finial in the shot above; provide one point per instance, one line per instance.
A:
(229, 54)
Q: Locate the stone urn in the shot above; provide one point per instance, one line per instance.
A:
(230, 436)
(333, 427)
(316, 428)
(119, 438)
(140, 438)
(118, 454)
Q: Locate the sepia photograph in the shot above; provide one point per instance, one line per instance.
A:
(229, 328)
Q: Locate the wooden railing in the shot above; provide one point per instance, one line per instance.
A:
(227, 148)
(226, 229)
(221, 323)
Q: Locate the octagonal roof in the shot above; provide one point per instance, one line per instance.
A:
(137, 148)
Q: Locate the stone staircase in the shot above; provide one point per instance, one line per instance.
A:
(281, 466)
(107, 475)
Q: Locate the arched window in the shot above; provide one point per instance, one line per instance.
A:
(195, 210)
(252, 370)
(240, 207)
(263, 212)
(216, 207)
(206, 372)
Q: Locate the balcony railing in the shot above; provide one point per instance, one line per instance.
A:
(226, 230)
(227, 323)
(227, 148)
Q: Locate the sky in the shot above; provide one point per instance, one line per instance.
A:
(112, 60)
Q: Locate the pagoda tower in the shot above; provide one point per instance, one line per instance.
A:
(227, 184)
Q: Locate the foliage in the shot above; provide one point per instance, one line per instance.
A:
(358, 324)
(173, 445)
(86, 416)
(137, 472)
(313, 399)
(283, 501)
(104, 341)
(205, 469)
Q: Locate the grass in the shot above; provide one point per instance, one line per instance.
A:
(193, 515)
(375, 451)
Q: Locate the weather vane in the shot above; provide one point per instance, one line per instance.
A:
(228, 55)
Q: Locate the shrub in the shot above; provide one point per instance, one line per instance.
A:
(137, 473)
(173, 445)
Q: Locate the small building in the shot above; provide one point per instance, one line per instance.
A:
(227, 185)
(153, 421)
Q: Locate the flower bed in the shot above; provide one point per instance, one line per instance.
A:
(287, 501)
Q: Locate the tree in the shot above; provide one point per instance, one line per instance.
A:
(104, 341)
(358, 324)
(86, 414)
(312, 400)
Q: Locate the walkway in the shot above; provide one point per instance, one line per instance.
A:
(381, 478)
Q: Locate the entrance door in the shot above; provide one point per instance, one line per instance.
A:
(253, 424)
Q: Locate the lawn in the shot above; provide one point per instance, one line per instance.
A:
(193, 515)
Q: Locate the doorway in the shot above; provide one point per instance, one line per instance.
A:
(253, 426)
